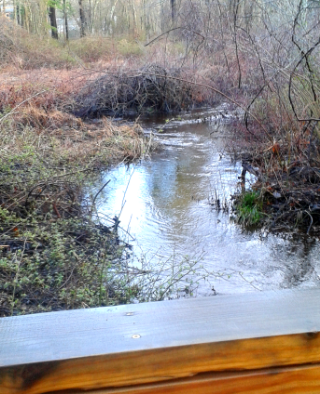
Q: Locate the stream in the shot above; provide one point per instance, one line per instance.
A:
(165, 204)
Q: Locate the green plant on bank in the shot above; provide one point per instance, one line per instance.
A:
(52, 264)
(249, 208)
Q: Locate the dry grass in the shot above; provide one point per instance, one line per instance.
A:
(67, 139)
(29, 52)
(35, 106)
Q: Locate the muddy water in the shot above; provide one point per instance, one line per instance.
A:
(165, 204)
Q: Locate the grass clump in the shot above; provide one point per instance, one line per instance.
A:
(52, 254)
(249, 208)
(50, 264)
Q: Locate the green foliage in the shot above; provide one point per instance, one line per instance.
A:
(249, 208)
(50, 264)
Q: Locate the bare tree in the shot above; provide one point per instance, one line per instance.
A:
(65, 17)
(53, 20)
(82, 19)
(173, 10)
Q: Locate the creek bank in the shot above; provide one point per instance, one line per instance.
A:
(53, 255)
(286, 193)
(54, 252)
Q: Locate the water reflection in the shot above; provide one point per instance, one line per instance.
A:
(164, 206)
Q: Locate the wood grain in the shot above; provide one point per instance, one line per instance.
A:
(270, 381)
(142, 344)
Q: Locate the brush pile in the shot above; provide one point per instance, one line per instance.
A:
(149, 89)
(292, 197)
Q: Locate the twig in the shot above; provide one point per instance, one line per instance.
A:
(95, 197)
(173, 29)
(56, 210)
(250, 283)
(311, 222)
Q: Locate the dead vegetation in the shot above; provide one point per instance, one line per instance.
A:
(30, 52)
(70, 140)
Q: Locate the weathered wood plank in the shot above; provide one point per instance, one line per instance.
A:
(140, 344)
(88, 332)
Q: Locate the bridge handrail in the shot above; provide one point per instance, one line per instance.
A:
(266, 342)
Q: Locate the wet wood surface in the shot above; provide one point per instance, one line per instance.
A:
(215, 344)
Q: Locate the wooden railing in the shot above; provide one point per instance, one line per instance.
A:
(251, 343)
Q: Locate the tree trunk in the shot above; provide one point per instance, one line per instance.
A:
(18, 15)
(15, 15)
(173, 10)
(53, 22)
(82, 20)
(21, 15)
(65, 16)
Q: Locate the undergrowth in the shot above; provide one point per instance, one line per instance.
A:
(53, 253)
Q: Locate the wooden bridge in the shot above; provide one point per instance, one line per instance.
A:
(252, 343)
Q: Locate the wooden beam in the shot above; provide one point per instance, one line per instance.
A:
(133, 346)
(267, 381)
